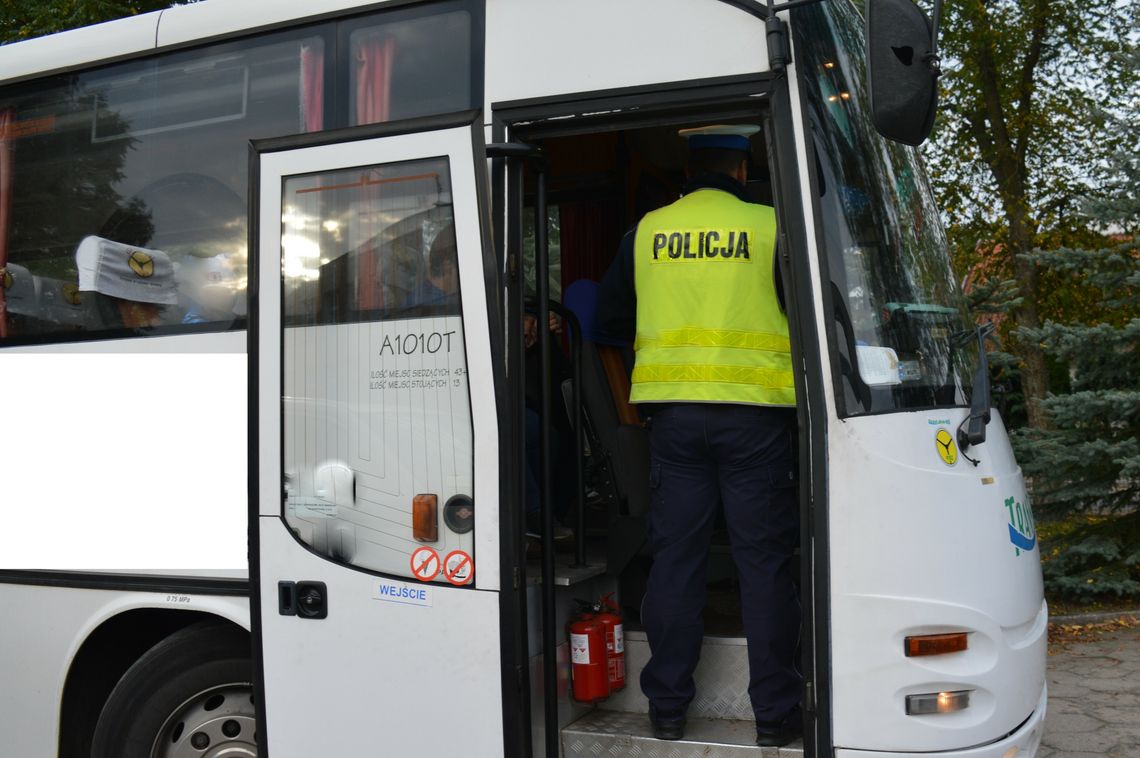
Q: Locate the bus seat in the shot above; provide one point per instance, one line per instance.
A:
(605, 399)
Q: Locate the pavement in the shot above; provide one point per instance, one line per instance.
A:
(1094, 698)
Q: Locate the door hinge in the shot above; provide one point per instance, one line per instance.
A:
(516, 577)
(809, 696)
(779, 54)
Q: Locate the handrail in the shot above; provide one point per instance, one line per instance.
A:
(579, 432)
(549, 617)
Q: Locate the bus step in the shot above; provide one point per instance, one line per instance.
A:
(612, 733)
(721, 678)
(567, 572)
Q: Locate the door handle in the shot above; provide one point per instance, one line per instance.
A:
(307, 600)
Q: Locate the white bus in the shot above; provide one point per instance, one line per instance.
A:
(267, 264)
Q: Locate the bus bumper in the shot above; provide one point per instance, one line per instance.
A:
(1022, 743)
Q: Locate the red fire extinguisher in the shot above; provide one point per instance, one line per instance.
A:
(588, 658)
(609, 616)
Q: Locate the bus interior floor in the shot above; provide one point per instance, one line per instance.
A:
(567, 570)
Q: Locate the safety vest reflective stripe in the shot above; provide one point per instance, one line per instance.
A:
(693, 336)
(768, 378)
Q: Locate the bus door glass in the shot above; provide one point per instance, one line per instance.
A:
(376, 537)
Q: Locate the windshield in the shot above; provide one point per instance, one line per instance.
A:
(898, 316)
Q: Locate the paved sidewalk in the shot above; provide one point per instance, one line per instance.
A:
(1094, 698)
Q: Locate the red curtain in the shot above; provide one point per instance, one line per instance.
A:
(372, 80)
(312, 88)
(7, 133)
(369, 270)
(590, 234)
(373, 56)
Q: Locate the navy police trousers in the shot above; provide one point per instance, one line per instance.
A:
(703, 456)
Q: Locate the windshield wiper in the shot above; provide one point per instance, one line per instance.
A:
(972, 430)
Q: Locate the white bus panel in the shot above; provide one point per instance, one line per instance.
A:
(544, 48)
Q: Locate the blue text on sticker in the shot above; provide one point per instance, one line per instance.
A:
(400, 592)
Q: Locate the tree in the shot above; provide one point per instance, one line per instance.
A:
(1089, 460)
(24, 19)
(1021, 132)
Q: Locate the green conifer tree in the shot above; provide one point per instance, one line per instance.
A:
(1086, 467)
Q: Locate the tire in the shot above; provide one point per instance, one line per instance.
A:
(188, 696)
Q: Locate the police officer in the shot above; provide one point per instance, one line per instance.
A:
(696, 282)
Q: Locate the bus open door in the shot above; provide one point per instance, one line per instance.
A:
(375, 539)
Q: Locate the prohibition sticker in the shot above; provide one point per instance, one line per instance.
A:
(458, 568)
(425, 564)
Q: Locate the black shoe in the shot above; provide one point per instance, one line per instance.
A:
(778, 734)
(668, 726)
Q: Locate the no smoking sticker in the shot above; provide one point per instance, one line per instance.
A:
(458, 567)
(425, 564)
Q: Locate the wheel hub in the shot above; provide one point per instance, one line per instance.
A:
(215, 723)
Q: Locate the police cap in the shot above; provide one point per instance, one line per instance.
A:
(722, 136)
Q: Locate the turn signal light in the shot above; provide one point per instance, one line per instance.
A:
(425, 521)
(936, 644)
(937, 702)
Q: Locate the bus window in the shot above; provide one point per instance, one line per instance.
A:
(898, 312)
(152, 153)
(149, 154)
(377, 413)
(409, 67)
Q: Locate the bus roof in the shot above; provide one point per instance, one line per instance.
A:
(134, 35)
(591, 44)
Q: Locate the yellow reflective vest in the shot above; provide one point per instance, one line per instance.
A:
(709, 325)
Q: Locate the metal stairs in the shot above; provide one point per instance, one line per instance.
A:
(720, 721)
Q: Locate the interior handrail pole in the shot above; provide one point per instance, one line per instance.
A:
(549, 619)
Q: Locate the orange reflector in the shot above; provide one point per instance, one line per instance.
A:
(425, 524)
(936, 644)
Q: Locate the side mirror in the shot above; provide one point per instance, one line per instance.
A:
(902, 64)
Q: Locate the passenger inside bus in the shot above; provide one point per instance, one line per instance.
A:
(440, 285)
(208, 290)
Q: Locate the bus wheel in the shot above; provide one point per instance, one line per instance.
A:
(189, 695)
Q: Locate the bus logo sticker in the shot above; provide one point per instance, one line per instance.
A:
(425, 564)
(947, 450)
(141, 263)
(392, 591)
(1022, 529)
(7, 279)
(458, 568)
